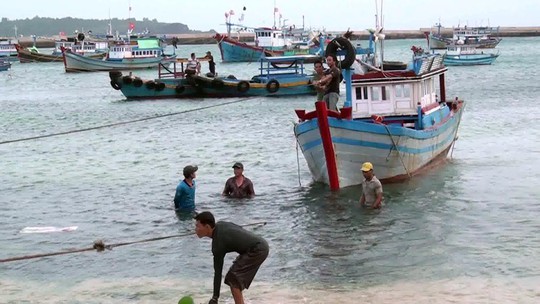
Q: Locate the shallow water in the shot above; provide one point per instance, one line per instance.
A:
(465, 232)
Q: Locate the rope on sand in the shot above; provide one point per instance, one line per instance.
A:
(100, 246)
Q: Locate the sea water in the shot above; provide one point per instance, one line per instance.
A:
(465, 232)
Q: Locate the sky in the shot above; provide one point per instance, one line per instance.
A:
(332, 15)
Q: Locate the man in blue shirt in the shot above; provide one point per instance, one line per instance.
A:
(184, 199)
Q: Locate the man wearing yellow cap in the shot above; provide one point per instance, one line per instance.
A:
(372, 192)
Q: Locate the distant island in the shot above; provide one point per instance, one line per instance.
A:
(48, 27)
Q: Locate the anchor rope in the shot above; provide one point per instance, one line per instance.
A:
(122, 122)
(397, 150)
(100, 246)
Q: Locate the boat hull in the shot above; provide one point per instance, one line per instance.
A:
(26, 56)
(77, 63)
(356, 142)
(439, 42)
(234, 51)
(203, 87)
(473, 59)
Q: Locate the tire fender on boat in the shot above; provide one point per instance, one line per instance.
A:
(179, 89)
(272, 86)
(137, 82)
(341, 44)
(115, 74)
(160, 86)
(127, 79)
(242, 86)
(115, 85)
(151, 85)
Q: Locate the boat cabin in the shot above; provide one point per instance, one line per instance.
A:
(270, 38)
(145, 48)
(399, 92)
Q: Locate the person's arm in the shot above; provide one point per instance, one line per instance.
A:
(218, 269)
(379, 193)
(362, 200)
(226, 190)
(251, 191)
(178, 197)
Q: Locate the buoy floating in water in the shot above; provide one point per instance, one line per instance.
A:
(48, 229)
(186, 300)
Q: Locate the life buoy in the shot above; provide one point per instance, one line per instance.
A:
(160, 86)
(179, 89)
(115, 85)
(137, 82)
(341, 44)
(127, 79)
(272, 86)
(151, 85)
(217, 84)
(242, 86)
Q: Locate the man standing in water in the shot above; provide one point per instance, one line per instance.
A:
(238, 186)
(372, 192)
(211, 63)
(331, 80)
(184, 198)
(229, 237)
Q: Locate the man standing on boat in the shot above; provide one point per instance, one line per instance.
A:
(211, 63)
(229, 237)
(372, 192)
(184, 198)
(318, 75)
(331, 80)
(238, 186)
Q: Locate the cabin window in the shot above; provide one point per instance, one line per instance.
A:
(379, 93)
(403, 91)
(361, 93)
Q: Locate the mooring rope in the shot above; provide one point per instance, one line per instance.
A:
(122, 122)
(100, 246)
(397, 150)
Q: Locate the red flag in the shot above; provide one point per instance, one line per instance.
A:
(131, 25)
(276, 10)
(226, 15)
(231, 12)
(130, 8)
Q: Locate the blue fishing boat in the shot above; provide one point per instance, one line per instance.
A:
(480, 37)
(399, 120)
(144, 53)
(457, 55)
(278, 76)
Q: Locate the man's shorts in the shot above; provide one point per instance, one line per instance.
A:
(246, 265)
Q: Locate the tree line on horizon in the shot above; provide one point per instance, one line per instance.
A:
(44, 26)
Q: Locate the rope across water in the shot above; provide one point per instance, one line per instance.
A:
(122, 122)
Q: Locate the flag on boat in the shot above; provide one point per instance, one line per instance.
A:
(276, 10)
(231, 12)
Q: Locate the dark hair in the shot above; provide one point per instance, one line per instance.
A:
(192, 54)
(206, 218)
(318, 61)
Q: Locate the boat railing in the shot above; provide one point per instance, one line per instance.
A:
(165, 70)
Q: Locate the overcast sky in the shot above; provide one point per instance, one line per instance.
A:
(330, 14)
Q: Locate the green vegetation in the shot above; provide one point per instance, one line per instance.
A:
(43, 26)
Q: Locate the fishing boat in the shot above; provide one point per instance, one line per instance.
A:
(144, 53)
(399, 120)
(4, 65)
(278, 40)
(27, 55)
(457, 55)
(8, 50)
(278, 76)
(479, 37)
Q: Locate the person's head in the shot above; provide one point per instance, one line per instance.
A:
(238, 169)
(204, 224)
(208, 53)
(318, 67)
(367, 170)
(192, 55)
(189, 171)
(330, 61)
